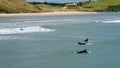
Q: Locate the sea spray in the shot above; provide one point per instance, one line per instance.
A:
(112, 21)
(24, 30)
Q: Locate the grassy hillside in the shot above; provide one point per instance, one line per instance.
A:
(51, 7)
(15, 6)
(21, 6)
(104, 5)
(48, 8)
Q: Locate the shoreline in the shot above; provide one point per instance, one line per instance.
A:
(43, 14)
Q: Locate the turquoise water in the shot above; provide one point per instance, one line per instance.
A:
(49, 41)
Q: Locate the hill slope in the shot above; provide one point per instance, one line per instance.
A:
(15, 6)
(104, 5)
(21, 6)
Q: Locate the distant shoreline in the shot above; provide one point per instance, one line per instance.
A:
(43, 14)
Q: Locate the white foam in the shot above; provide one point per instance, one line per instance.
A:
(112, 21)
(89, 51)
(10, 37)
(24, 30)
(89, 43)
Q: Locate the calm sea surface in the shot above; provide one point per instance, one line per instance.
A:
(50, 41)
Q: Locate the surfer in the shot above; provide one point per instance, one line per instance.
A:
(83, 51)
(86, 40)
(21, 29)
(82, 43)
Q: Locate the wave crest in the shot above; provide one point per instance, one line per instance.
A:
(24, 30)
(112, 21)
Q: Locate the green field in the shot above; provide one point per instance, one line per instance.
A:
(104, 5)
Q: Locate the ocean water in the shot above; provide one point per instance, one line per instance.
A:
(50, 41)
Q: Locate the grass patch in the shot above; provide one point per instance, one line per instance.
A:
(102, 5)
(16, 6)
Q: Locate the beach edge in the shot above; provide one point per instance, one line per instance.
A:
(44, 14)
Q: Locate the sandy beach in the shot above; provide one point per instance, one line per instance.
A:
(44, 14)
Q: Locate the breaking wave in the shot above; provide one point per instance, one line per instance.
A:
(24, 30)
(112, 21)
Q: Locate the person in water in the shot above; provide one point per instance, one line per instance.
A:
(82, 43)
(86, 40)
(21, 29)
(83, 51)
